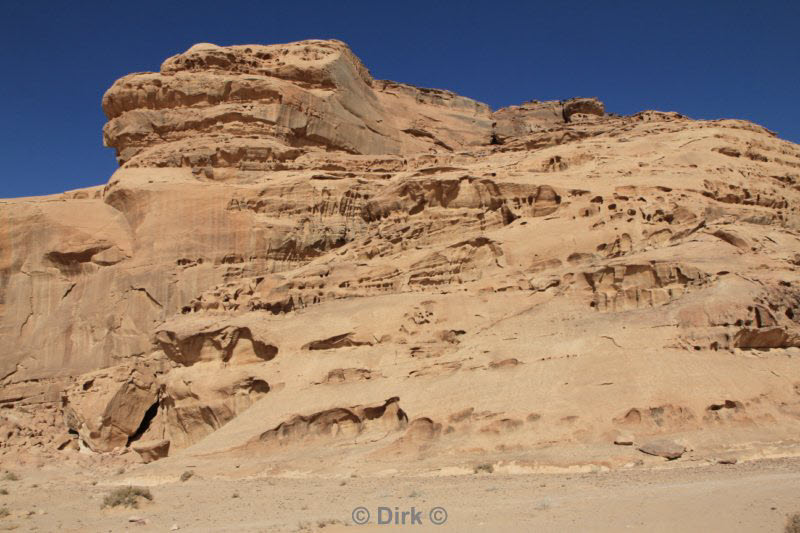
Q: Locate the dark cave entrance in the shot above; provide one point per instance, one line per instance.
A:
(148, 417)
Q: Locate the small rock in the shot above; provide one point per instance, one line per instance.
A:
(663, 448)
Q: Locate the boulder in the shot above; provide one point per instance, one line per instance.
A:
(152, 450)
(663, 448)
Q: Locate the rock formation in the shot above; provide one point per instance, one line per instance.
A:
(288, 243)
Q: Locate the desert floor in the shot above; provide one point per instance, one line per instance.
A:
(749, 496)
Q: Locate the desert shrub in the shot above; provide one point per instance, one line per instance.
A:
(484, 467)
(543, 504)
(187, 475)
(126, 497)
(793, 523)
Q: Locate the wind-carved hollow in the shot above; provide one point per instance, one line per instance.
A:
(72, 263)
(236, 345)
(337, 422)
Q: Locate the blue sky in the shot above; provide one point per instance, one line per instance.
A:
(705, 59)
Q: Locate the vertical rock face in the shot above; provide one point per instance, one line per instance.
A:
(59, 281)
(288, 242)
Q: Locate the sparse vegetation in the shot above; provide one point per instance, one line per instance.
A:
(542, 505)
(484, 467)
(186, 476)
(793, 523)
(127, 497)
(10, 476)
(305, 525)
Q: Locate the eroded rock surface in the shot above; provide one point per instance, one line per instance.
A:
(288, 242)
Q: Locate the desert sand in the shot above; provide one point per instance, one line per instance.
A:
(753, 496)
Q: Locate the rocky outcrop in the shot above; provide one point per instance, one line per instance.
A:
(582, 106)
(536, 116)
(620, 287)
(198, 402)
(108, 407)
(287, 239)
(261, 107)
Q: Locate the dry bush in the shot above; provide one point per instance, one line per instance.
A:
(126, 496)
(793, 523)
(483, 467)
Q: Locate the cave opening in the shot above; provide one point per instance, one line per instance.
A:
(148, 417)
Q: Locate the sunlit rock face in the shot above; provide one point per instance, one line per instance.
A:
(293, 255)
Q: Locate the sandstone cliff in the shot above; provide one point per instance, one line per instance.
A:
(293, 253)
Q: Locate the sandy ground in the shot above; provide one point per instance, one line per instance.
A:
(751, 496)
